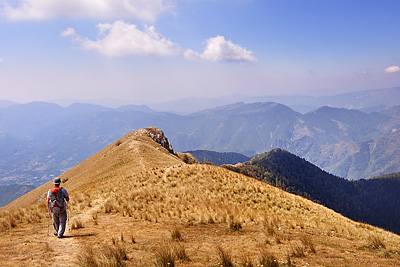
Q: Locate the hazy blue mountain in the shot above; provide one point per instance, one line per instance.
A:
(105, 102)
(363, 99)
(242, 128)
(301, 103)
(9, 193)
(38, 139)
(6, 103)
(41, 139)
(391, 111)
(194, 104)
(141, 108)
(349, 143)
(373, 109)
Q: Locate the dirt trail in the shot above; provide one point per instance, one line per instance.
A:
(35, 245)
(29, 245)
(69, 246)
(65, 248)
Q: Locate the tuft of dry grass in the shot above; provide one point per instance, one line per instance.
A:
(109, 206)
(246, 260)
(308, 243)
(271, 225)
(76, 224)
(234, 224)
(297, 250)
(266, 259)
(164, 256)
(113, 256)
(176, 235)
(95, 218)
(7, 223)
(33, 214)
(87, 257)
(180, 252)
(375, 242)
(224, 257)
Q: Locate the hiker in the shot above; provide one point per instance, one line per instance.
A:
(57, 206)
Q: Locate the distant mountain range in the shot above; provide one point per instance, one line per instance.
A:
(6, 103)
(41, 140)
(367, 100)
(301, 103)
(374, 201)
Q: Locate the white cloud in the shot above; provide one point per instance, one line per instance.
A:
(68, 32)
(218, 49)
(190, 54)
(99, 9)
(1, 60)
(392, 69)
(124, 39)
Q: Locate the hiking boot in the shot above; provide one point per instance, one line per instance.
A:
(55, 233)
(60, 236)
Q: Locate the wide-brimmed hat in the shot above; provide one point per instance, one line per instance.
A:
(56, 181)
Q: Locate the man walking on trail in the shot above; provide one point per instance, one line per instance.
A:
(57, 206)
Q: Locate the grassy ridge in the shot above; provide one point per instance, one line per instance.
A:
(374, 201)
(136, 204)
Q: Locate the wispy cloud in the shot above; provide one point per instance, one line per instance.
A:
(218, 49)
(1, 60)
(99, 9)
(392, 69)
(124, 39)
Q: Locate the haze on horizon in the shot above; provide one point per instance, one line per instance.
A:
(164, 50)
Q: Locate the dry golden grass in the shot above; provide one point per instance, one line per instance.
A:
(137, 198)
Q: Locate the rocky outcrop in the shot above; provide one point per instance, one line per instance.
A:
(158, 136)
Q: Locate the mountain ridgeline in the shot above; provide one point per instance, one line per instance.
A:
(40, 140)
(374, 201)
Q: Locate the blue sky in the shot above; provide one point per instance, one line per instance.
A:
(146, 51)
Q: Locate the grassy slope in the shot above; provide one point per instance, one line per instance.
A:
(373, 201)
(136, 198)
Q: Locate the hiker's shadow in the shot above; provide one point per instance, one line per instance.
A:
(79, 235)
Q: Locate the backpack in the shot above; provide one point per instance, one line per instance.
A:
(55, 200)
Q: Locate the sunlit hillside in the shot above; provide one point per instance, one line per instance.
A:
(137, 204)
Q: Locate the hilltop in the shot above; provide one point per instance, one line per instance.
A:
(373, 201)
(136, 203)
